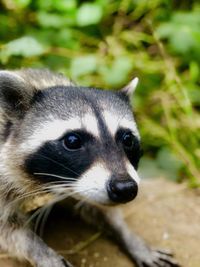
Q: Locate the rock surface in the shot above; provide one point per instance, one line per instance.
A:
(165, 214)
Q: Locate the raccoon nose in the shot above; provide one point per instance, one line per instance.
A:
(122, 190)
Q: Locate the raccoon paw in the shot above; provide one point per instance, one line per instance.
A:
(157, 258)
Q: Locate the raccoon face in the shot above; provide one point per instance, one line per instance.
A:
(78, 141)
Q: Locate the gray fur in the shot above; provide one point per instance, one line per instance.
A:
(22, 115)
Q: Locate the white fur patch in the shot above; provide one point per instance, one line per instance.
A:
(132, 172)
(89, 122)
(11, 74)
(92, 184)
(56, 128)
(114, 122)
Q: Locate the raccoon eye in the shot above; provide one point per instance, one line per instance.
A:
(128, 140)
(72, 141)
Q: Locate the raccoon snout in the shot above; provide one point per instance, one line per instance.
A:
(122, 190)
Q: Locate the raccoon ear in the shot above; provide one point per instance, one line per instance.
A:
(14, 96)
(129, 89)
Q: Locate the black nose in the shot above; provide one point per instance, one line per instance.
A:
(122, 189)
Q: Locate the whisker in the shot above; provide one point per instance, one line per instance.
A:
(55, 175)
(45, 211)
(59, 186)
(45, 215)
(29, 194)
(45, 189)
(58, 163)
(41, 210)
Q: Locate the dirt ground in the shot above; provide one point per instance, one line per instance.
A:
(165, 214)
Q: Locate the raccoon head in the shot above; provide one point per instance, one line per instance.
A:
(69, 139)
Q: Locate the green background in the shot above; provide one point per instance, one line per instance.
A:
(106, 43)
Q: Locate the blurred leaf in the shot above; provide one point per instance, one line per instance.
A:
(165, 30)
(182, 31)
(194, 71)
(22, 3)
(60, 5)
(48, 20)
(25, 46)
(194, 94)
(88, 14)
(118, 72)
(64, 5)
(83, 65)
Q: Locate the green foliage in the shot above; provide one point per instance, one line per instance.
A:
(88, 14)
(183, 33)
(83, 65)
(25, 46)
(104, 43)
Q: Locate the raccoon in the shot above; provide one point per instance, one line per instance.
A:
(69, 140)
